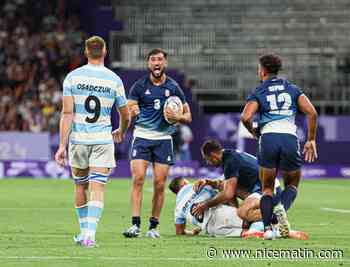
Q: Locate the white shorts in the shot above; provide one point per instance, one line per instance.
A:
(222, 221)
(84, 156)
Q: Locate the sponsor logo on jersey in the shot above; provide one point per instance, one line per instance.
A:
(148, 92)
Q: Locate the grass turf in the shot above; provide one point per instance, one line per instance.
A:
(38, 221)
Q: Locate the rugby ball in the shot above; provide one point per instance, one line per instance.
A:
(175, 105)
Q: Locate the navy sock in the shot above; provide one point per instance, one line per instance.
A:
(153, 222)
(136, 220)
(288, 196)
(266, 210)
(277, 196)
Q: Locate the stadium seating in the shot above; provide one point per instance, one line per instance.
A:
(217, 44)
(38, 47)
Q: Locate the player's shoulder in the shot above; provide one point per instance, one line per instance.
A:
(142, 82)
(257, 91)
(230, 152)
(230, 155)
(170, 81)
(112, 74)
(291, 85)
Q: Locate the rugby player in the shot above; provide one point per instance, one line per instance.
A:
(152, 137)
(222, 220)
(241, 174)
(276, 101)
(89, 93)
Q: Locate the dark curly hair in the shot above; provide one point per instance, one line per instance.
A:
(210, 146)
(271, 63)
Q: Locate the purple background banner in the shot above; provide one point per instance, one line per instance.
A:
(49, 169)
(24, 146)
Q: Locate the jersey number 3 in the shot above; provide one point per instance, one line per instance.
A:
(283, 97)
(93, 106)
(156, 103)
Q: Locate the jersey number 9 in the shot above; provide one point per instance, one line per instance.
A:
(94, 108)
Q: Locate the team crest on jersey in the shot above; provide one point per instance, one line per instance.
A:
(167, 93)
(148, 92)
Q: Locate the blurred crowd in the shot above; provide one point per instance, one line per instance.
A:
(39, 45)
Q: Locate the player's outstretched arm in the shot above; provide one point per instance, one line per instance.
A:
(65, 128)
(247, 117)
(305, 106)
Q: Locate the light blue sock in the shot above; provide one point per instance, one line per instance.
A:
(93, 216)
(82, 213)
(258, 226)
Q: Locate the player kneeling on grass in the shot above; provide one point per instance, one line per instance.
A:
(220, 221)
(88, 95)
(241, 174)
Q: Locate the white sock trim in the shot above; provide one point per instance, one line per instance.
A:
(95, 203)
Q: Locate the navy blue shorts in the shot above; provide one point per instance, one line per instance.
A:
(160, 151)
(281, 151)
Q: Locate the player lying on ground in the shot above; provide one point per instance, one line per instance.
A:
(220, 221)
(241, 173)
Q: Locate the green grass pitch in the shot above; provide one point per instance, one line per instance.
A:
(37, 223)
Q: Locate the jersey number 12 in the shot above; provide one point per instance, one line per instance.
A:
(283, 97)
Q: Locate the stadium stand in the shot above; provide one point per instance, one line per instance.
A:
(39, 45)
(216, 43)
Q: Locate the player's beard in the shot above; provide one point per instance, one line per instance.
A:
(157, 76)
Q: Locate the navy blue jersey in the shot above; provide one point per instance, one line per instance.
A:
(150, 123)
(278, 105)
(243, 166)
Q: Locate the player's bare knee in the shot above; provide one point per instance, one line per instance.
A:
(138, 181)
(159, 186)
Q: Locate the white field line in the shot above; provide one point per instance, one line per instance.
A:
(335, 210)
(107, 258)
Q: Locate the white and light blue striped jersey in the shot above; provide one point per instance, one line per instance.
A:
(95, 89)
(185, 198)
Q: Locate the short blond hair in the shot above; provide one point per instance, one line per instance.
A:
(94, 47)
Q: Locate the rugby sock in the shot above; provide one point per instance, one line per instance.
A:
(153, 222)
(136, 220)
(277, 196)
(82, 212)
(266, 210)
(93, 216)
(288, 196)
